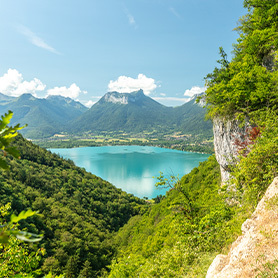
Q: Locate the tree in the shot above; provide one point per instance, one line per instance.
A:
(7, 134)
(86, 271)
(247, 86)
(173, 183)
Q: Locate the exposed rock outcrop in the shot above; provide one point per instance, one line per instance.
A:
(256, 251)
(226, 133)
(123, 98)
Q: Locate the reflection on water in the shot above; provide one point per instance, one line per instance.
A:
(132, 168)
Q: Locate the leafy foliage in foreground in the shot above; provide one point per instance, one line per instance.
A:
(248, 84)
(15, 259)
(180, 236)
(7, 134)
(80, 211)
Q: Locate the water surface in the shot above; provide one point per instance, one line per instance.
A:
(133, 168)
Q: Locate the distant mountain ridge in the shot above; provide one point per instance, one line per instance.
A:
(123, 98)
(44, 117)
(136, 112)
(114, 112)
(4, 99)
(137, 98)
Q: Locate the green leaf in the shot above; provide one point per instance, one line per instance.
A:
(5, 119)
(22, 215)
(3, 142)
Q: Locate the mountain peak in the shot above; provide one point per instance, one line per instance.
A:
(26, 96)
(138, 93)
(123, 98)
(59, 98)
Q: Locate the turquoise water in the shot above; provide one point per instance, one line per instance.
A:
(132, 168)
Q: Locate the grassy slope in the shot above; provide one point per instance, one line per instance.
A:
(180, 236)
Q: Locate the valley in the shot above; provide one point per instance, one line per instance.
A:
(216, 220)
(177, 140)
(116, 119)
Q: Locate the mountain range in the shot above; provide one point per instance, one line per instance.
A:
(136, 112)
(44, 117)
(114, 112)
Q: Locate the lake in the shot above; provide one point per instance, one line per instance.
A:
(133, 168)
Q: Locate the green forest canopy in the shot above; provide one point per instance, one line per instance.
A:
(247, 85)
(80, 212)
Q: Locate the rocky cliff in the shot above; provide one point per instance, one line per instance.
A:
(123, 98)
(255, 253)
(226, 133)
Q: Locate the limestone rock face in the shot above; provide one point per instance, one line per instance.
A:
(114, 98)
(256, 251)
(225, 135)
(123, 98)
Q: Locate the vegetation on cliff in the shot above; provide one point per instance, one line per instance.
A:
(80, 212)
(256, 170)
(246, 89)
(247, 86)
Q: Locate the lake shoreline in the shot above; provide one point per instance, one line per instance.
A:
(67, 144)
(156, 146)
(133, 168)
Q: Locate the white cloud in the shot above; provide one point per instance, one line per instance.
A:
(126, 84)
(194, 91)
(35, 40)
(72, 92)
(12, 84)
(175, 13)
(130, 17)
(90, 103)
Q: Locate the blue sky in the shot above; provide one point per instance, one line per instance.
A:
(82, 49)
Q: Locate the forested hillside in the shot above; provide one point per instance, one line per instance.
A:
(44, 117)
(200, 217)
(79, 211)
(136, 113)
(83, 216)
